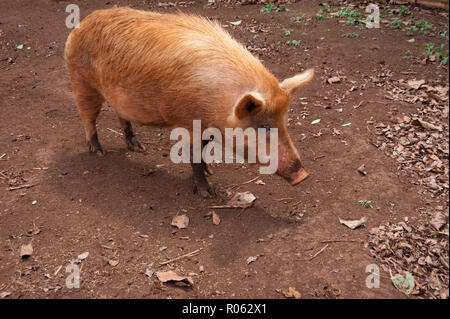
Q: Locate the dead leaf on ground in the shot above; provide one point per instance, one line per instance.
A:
(5, 294)
(251, 259)
(149, 271)
(427, 125)
(361, 170)
(26, 251)
(260, 182)
(334, 79)
(83, 255)
(168, 276)
(353, 224)
(215, 218)
(438, 220)
(113, 263)
(180, 221)
(291, 293)
(242, 200)
(415, 84)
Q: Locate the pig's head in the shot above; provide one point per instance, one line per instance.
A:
(267, 110)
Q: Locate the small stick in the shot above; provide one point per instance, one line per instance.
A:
(320, 251)
(191, 254)
(225, 206)
(340, 241)
(2, 156)
(57, 270)
(282, 199)
(114, 131)
(247, 182)
(20, 187)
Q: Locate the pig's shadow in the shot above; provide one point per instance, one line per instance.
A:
(118, 187)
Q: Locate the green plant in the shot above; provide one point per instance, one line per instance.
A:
(404, 11)
(350, 35)
(429, 49)
(299, 17)
(353, 16)
(423, 26)
(295, 43)
(256, 36)
(444, 33)
(408, 55)
(268, 8)
(441, 52)
(366, 203)
(326, 7)
(319, 16)
(281, 8)
(396, 24)
(287, 32)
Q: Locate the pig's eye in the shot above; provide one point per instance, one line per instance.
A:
(266, 127)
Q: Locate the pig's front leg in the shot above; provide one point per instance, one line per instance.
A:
(201, 184)
(199, 171)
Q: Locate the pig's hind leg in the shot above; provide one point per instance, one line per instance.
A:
(132, 142)
(89, 103)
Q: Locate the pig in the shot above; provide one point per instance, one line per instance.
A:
(166, 70)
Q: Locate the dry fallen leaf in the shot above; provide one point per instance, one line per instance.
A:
(149, 271)
(438, 220)
(291, 293)
(334, 79)
(83, 256)
(361, 170)
(167, 276)
(415, 84)
(4, 294)
(180, 221)
(215, 218)
(424, 124)
(251, 259)
(113, 263)
(353, 224)
(26, 251)
(242, 200)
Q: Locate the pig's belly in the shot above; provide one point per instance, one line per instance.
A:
(134, 108)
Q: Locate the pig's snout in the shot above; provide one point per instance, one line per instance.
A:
(293, 172)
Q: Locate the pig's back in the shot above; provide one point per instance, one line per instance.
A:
(181, 58)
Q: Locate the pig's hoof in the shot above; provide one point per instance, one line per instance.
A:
(134, 145)
(97, 149)
(203, 189)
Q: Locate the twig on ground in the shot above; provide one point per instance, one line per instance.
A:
(191, 254)
(244, 183)
(114, 131)
(20, 187)
(319, 252)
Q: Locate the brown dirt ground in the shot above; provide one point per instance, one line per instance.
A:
(110, 208)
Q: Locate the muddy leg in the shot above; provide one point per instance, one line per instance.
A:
(208, 170)
(132, 142)
(200, 183)
(89, 102)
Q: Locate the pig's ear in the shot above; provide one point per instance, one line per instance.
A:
(297, 81)
(248, 105)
